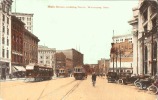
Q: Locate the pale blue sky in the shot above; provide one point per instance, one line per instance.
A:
(90, 29)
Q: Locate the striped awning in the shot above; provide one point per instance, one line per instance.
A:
(19, 68)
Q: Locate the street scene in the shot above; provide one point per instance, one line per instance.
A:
(78, 50)
(71, 89)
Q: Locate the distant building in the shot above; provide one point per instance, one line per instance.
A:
(60, 59)
(73, 58)
(103, 65)
(122, 53)
(46, 56)
(94, 68)
(17, 33)
(27, 18)
(30, 48)
(5, 38)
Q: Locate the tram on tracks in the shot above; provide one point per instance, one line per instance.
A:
(63, 72)
(80, 73)
(39, 72)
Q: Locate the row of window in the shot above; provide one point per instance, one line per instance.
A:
(3, 53)
(5, 19)
(17, 58)
(23, 18)
(3, 30)
(47, 62)
(3, 41)
(47, 57)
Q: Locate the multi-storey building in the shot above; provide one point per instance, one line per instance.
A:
(46, 56)
(74, 58)
(30, 48)
(134, 23)
(103, 65)
(122, 53)
(60, 59)
(27, 18)
(17, 32)
(94, 68)
(146, 38)
(5, 38)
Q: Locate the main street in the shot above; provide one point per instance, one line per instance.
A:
(71, 89)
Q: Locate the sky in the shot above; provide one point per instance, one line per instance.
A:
(86, 26)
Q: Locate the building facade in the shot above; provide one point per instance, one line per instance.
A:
(121, 54)
(26, 18)
(46, 56)
(5, 38)
(30, 48)
(147, 37)
(17, 33)
(73, 58)
(103, 65)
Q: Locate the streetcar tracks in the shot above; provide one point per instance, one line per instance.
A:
(71, 90)
(57, 89)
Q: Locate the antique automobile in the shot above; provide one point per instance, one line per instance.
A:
(127, 78)
(146, 82)
(112, 76)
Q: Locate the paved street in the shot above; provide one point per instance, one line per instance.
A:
(70, 89)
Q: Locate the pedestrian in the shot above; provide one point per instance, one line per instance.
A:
(94, 76)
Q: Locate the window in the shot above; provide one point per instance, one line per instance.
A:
(7, 31)
(41, 57)
(41, 61)
(3, 40)
(7, 42)
(7, 53)
(3, 53)
(3, 18)
(47, 57)
(7, 20)
(3, 29)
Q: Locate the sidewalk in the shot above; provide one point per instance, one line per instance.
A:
(13, 79)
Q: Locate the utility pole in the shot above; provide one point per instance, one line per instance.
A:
(116, 59)
(120, 57)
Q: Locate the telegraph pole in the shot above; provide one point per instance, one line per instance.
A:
(120, 57)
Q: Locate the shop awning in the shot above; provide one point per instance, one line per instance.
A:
(19, 68)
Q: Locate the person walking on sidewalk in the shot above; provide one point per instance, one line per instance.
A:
(94, 76)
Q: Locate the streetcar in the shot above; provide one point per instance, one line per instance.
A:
(63, 72)
(39, 72)
(80, 73)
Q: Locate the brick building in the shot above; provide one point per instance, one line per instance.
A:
(121, 55)
(30, 48)
(17, 32)
(73, 58)
(60, 59)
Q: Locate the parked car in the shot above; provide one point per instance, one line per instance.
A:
(112, 76)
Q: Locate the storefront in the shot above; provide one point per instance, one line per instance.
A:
(4, 70)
